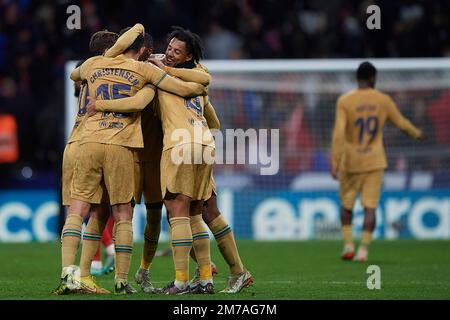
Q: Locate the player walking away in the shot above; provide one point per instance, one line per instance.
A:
(185, 50)
(358, 158)
(107, 143)
(99, 43)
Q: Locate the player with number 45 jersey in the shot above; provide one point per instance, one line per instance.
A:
(358, 158)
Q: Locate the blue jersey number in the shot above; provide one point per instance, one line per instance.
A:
(82, 103)
(368, 126)
(113, 91)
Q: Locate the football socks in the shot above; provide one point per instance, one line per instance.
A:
(366, 238)
(226, 243)
(347, 234)
(124, 248)
(201, 246)
(91, 240)
(70, 239)
(151, 237)
(181, 235)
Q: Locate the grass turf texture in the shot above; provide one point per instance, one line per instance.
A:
(281, 270)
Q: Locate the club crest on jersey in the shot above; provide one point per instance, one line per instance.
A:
(194, 103)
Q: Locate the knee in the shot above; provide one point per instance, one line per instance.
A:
(210, 213)
(122, 213)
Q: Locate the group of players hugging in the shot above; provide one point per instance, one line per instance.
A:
(137, 133)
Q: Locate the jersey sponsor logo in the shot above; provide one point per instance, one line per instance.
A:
(115, 125)
(110, 125)
(194, 104)
(198, 123)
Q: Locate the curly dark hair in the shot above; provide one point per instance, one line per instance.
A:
(192, 40)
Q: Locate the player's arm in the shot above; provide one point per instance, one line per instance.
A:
(210, 115)
(338, 139)
(125, 41)
(131, 104)
(75, 75)
(80, 73)
(199, 74)
(164, 81)
(189, 75)
(397, 119)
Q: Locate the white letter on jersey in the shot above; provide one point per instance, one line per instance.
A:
(74, 20)
(374, 21)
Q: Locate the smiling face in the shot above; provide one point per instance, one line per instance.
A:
(176, 53)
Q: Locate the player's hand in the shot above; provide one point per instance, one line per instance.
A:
(205, 91)
(334, 172)
(422, 136)
(90, 107)
(156, 62)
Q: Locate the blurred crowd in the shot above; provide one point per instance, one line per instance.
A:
(306, 127)
(35, 44)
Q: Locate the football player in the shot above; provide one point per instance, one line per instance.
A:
(358, 159)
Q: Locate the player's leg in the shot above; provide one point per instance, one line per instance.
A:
(202, 191)
(70, 240)
(148, 177)
(91, 241)
(370, 196)
(347, 234)
(68, 165)
(151, 237)
(71, 233)
(123, 238)
(118, 170)
(201, 247)
(85, 181)
(178, 210)
(92, 238)
(239, 277)
(349, 186)
(97, 264)
(366, 236)
(107, 241)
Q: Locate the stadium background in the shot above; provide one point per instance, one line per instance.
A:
(300, 202)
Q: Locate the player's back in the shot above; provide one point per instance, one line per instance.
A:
(76, 133)
(366, 111)
(177, 112)
(113, 78)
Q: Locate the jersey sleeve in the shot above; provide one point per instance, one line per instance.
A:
(190, 75)
(338, 138)
(131, 104)
(397, 119)
(163, 81)
(75, 74)
(211, 116)
(125, 40)
(82, 71)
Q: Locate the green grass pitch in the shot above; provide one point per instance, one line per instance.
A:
(282, 270)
